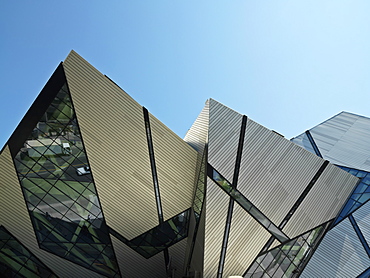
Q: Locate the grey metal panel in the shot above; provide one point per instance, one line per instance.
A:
(323, 202)
(247, 238)
(133, 265)
(197, 135)
(362, 217)
(176, 168)
(274, 172)
(340, 254)
(303, 141)
(344, 140)
(113, 130)
(216, 211)
(18, 223)
(223, 138)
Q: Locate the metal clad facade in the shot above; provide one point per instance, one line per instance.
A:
(176, 168)
(323, 202)
(197, 135)
(177, 258)
(274, 172)
(224, 131)
(132, 264)
(216, 211)
(243, 249)
(15, 218)
(362, 217)
(343, 139)
(113, 131)
(339, 255)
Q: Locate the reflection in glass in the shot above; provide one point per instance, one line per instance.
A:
(288, 259)
(17, 261)
(159, 238)
(62, 201)
(359, 196)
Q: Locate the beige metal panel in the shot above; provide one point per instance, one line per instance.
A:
(177, 258)
(197, 260)
(274, 172)
(113, 131)
(339, 255)
(323, 202)
(224, 132)
(133, 265)
(197, 135)
(217, 203)
(176, 168)
(18, 222)
(247, 238)
(274, 244)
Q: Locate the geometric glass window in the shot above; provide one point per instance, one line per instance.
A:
(17, 261)
(246, 204)
(60, 193)
(288, 259)
(200, 189)
(160, 237)
(359, 196)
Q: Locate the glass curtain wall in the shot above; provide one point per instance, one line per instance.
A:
(58, 187)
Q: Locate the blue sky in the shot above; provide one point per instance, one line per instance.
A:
(288, 65)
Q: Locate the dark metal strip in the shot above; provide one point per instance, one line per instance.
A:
(247, 205)
(153, 165)
(297, 203)
(313, 144)
(231, 202)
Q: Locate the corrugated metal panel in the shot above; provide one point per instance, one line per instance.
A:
(223, 140)
(274, 172)
(339, 255)
(177, 258)
(344, 140)
(134, 265)
(113, 131)
(216, 211)
(197, 135)
(362, 217)
(18, 223)
(176, 168)
(323, 202)
(247, 238)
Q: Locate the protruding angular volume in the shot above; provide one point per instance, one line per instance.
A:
(56, 180)
(113, 130)
(197, 137)
(343, 140)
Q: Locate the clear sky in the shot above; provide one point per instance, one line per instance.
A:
(288, 65)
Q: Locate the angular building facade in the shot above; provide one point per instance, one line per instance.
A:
(93, 185)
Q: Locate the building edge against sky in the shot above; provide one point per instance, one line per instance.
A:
(97, 186)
